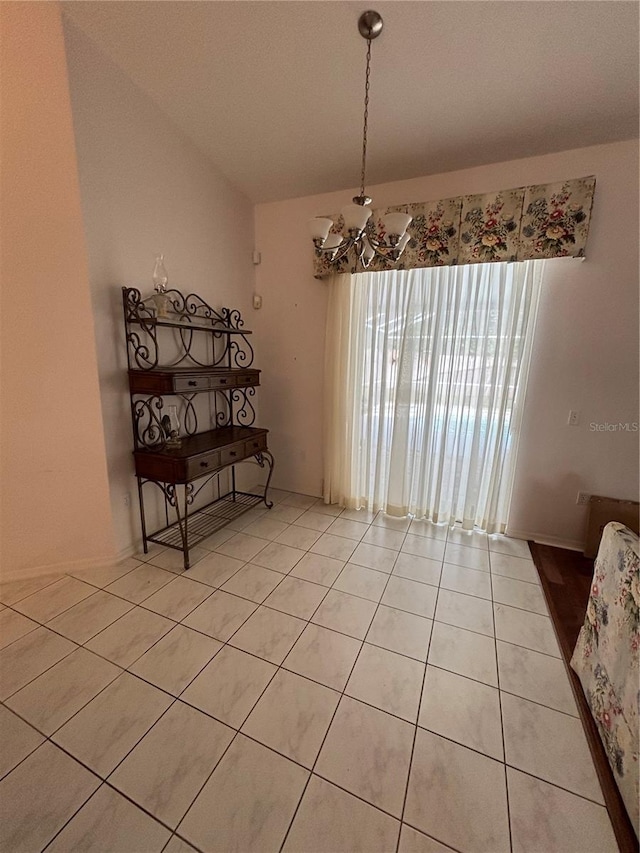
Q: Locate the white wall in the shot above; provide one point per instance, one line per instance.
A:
(145, 189)
(55, 510)
(585, 355)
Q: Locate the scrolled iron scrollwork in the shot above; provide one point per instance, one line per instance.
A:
(232, 318)
(264, 457)
(135, 308)
(223, 414)
(188, 415)
(147, 420)
(203, 483)
(191, 307)
(187, 314)
(195, 306)
(246, 414)
(240, 356)
(144, 354)
(168, 490)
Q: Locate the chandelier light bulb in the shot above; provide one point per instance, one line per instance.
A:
(395, 224)
(403, 242)
(355, 217)
(319, 227)
(332, 241)
(368, 253)
(332, 244)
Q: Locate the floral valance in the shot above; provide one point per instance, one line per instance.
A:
(541, 221)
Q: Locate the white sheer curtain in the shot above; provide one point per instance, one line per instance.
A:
(426, 374)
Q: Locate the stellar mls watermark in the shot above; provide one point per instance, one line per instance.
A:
(618, 427)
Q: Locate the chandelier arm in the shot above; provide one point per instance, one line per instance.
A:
(386, 252)
(340, 251)
(380, 248)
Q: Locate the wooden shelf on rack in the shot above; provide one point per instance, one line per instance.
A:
(201, 454)
(188, 380)
(188, 326)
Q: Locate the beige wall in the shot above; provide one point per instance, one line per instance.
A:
(55, 500)
(145, 189)
(585, 356)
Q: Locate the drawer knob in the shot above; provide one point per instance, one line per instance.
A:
(223, 381)
(192, 383)
(204, 464)
(233, 453)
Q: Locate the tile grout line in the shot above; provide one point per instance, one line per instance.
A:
(126, 668)
(424, 679)
(105, 779)
(147, 731)
(326, 734)
(504, 745)
(362, 644)
(214, 589)
(334, 783)
(123, 670)
(170, 630)
(280, 666)
(238, 731)
(175, 697)
(176, 574)
(200, 710)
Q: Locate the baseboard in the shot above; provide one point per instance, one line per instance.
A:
(543, 539)
(129, 551)
(59, 568)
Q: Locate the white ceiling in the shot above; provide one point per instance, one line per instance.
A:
(273, 91)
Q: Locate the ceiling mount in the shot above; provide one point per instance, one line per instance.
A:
(370, 25)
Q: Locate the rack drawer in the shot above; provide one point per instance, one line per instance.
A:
(191, 383)
(255, 445)
(183, 381)
(248, 378)
(222, 382)
(202, 464)
(232, 454)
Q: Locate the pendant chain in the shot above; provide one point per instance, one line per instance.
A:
(366, 118)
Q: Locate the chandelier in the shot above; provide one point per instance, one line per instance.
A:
(359, 230)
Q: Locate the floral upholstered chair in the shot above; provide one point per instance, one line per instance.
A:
(606, 656)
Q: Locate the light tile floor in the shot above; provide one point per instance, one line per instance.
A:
(318, 681)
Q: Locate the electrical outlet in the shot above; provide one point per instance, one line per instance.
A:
(582, 499)
(574, 418)
(127, 499)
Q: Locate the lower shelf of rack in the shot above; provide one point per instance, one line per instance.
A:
(207, 520)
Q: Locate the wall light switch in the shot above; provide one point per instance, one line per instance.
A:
(574, 418)
(257, 301)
